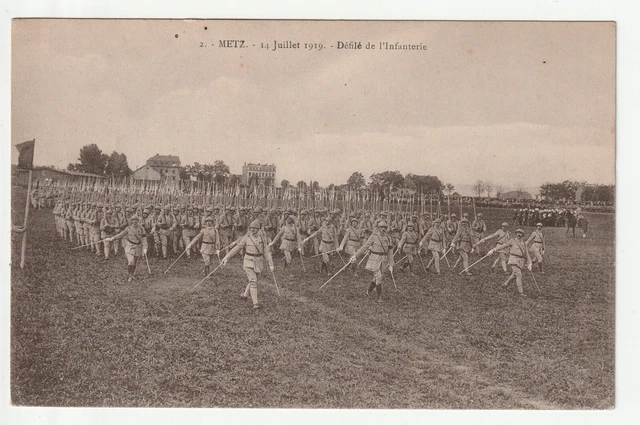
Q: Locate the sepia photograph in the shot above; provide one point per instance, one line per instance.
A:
(317, 214)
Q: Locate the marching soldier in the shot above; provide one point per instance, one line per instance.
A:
(381, 246)
(226, 223)
(479, 228)
(352, 240)
(328, 239)
(518, 255)
(407, 245)
(463, 242)
(314, 225)
(107, 228)
(503, 236)
(537, 245)
(256, 252)
(434, 238)
(190, 227)
(210, 240)
(303, 228)
(290, 240)
(135, 240)
(451, 227)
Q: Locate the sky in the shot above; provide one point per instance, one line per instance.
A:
(515, 103)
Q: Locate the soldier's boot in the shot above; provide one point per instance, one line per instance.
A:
(206, 271)
(372, 286)
(323, 268)
(164, 252)
(411, 270)
(158, 250)
(456, 263)
(354, 267)
(541, 267)
(379, 293)
(327, 269)
(253, 290)
(130, 270)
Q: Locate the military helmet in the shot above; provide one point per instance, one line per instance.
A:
(410, 225)
(208, 219)
(255, 224)
(539, 225)
(505, 224)
(354, 219)
(134, 217)
(520, 231)
(382, 223)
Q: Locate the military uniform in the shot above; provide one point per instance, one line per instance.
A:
(380, 245)
(463, 242)
(290, 240)
(435, 241)
(225, 226)
(408, 244)
(518, 258)
(210, 239)
(503, 236)
(479, 228)
(328, 236)
(256, 253)
(135, 239)
(537, 245)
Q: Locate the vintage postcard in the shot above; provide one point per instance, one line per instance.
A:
(313, 214)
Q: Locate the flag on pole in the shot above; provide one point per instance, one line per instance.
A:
(25, 156)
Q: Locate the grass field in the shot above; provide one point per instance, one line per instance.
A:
(79, 337)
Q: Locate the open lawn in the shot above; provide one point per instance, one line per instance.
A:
(80, 336)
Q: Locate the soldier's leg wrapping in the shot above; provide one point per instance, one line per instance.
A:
(518, 274)
(465, 260)
(503, 261)
(436, 260)
(316, 246)
(185, 241)
(107, 249)
(253, 284)
(164, 239)
(377, 276)
(287, 257)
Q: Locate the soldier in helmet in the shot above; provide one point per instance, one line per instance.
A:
(408, 244)
(479, 228)
(503, 236)
(518, 256)
(210, 240)
(315, 224)
(381, 256)
(328, 235)
(135, 240)
(352, 241)
(291, 240)
(190, 227)
(463, 242)
(303, 228)
(256, 253)
(537, 245)
(435, 241)
(226, 223)
(108, 228)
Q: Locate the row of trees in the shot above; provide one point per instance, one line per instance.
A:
(93, 160)
(572, 190)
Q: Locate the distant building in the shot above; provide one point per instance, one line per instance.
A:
(514, 194)
(258, 174)
(159, 167)
(47, 175)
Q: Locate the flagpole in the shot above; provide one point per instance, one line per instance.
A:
(26, 218)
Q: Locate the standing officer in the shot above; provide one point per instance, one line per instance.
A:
(256, 251)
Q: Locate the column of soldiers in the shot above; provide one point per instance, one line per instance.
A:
(211, 230)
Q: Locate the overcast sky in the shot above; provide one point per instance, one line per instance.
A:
(514, 103)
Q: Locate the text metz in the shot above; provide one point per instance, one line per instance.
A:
(231, 43)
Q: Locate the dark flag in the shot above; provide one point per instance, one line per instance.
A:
(25, 158)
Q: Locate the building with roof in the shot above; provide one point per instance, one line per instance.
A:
(47, 175)
(159, 167)
(258, 174)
